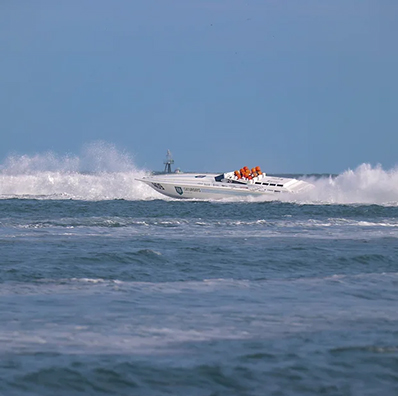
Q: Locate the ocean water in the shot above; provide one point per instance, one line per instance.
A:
(107, 287)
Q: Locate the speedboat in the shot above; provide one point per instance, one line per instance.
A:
(224, 185)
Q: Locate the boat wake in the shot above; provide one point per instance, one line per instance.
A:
(103, 172)
(366, 184)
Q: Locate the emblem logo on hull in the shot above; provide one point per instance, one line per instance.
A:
(179, 190)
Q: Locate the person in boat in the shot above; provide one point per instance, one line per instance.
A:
(247, 174)
(243, 173)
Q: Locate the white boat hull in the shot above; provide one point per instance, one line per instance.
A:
(204, 186)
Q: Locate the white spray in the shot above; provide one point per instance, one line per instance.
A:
(364, 185)
(101, 172)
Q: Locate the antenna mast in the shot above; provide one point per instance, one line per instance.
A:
(168, 162)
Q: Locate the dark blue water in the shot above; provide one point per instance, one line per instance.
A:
(155, 297)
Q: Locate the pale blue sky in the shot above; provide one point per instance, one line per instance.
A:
(293, 86)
